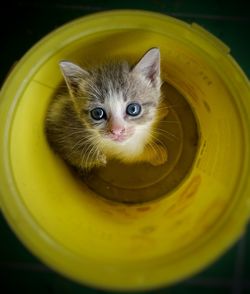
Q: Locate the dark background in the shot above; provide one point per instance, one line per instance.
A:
(23, 23)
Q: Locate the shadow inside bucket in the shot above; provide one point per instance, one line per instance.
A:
(137, 183)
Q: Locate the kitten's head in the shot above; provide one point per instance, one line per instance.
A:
(116, 101)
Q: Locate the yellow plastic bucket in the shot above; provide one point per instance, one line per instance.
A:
(105, 243)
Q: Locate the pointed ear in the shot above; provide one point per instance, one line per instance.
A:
(73, 76)
(149, 66)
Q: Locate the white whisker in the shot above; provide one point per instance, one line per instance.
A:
(167, 132)
(164, 135)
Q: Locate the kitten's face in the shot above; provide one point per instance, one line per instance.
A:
(116, 119)
(114, 100)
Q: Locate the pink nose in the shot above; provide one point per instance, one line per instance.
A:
(117, 131)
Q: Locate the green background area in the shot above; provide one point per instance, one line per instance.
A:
(29, 21)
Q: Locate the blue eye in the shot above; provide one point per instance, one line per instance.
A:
(98, 113)
(133, 109)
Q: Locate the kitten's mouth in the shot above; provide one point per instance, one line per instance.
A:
(120, 138)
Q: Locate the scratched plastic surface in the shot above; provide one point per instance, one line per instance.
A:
(105, 243)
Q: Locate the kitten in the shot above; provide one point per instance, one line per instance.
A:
(108, 112)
